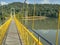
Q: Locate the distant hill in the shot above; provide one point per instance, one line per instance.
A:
(49, 10)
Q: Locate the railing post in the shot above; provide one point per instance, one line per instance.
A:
(27, 39)
(38, 40)
(58, 29)
(34, 43)
(34, 14)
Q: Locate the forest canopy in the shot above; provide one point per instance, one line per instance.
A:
(49, 10)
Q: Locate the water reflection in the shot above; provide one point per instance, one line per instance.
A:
(50, 23)
(44, 31)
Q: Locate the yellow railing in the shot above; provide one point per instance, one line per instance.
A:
(3, 29)
(27, 37)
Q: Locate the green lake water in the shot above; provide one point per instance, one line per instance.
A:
(47, 28)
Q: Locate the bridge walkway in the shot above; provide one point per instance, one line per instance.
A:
(12, 35)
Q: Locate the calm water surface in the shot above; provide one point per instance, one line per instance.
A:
(46, 28)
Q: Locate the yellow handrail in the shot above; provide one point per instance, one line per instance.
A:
(27, 37)
(3, 29)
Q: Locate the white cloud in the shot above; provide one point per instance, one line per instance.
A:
(3, 3)
(27, 2)
(45, 2)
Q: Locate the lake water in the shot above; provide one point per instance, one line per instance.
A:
(50, 23)
(46, 28)
(50, 35)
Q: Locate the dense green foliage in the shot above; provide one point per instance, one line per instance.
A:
(49, 10)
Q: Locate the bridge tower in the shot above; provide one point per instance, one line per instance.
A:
(12, 12)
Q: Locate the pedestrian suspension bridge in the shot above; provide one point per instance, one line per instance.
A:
(14, 32)
(12, 35)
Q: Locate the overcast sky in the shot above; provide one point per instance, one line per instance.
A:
(3, 2)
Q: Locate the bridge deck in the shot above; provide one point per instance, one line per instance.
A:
(12, 35)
